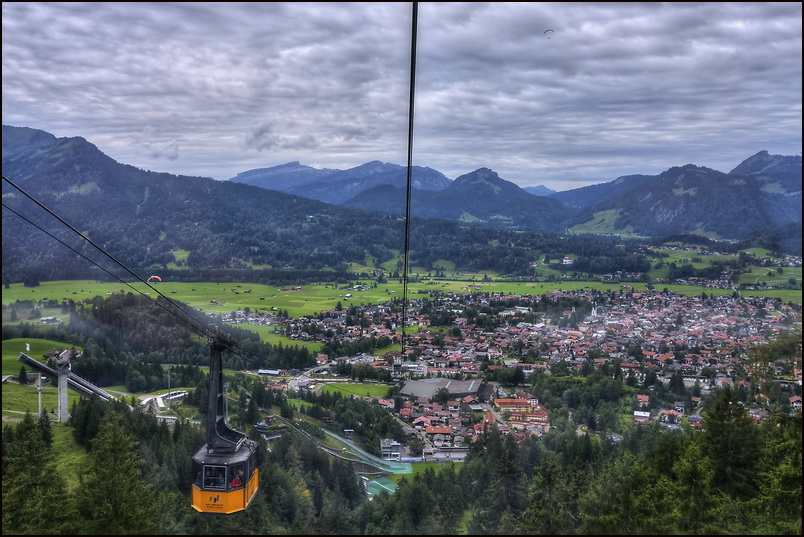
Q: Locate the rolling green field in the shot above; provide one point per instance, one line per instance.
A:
(179, 260)
(70, 458)
(785, 295)
(268, 335)
(771, 276)
(603, 222)
(683, 257)
(312, 299)
(386, 350)
(360, 390)
(13, 347)
(218, 297)
(18, 399)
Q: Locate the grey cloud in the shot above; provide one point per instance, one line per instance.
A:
(264, 138)
(618, 88)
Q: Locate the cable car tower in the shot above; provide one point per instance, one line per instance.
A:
(226, 471)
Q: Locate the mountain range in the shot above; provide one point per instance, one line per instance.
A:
(293, 216)
(763, 193)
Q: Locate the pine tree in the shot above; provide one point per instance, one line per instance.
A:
(45, 428)
(628, 497)
(252, 412)
(113, 496)
(695, 502)
(779, 503)
(35, 496)
(86, 417)
(23, 377)
(731, 442)
(552, 500)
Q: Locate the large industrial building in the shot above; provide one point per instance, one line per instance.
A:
(456, 388)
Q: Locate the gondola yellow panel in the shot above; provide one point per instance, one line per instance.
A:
(225, 485)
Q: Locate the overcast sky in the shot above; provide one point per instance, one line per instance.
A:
(215, 89)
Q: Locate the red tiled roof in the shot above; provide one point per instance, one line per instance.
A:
(435, 429)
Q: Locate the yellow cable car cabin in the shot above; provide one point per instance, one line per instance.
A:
(226, 471)
(225, 483)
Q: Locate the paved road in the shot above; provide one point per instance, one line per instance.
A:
(305, 376)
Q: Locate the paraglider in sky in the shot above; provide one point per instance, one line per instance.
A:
(548, 30)
(157, 278)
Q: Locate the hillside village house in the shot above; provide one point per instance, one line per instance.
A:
(643, 400)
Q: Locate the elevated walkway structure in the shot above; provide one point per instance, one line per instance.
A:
(74, 382)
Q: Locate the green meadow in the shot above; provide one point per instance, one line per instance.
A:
(312, 299)
(219, 297)
(38, 347)
(386, 350)
(603, 222)
(785, 295)
(179, 260)
(18, 399)
(771, 276)
(269, 335)
(70, 458)
(684, 257)
(359, 390)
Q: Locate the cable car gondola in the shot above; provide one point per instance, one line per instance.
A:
(226, 467)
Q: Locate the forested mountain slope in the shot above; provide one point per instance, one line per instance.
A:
(480, 196)
(226, 229)
(761, 197)
(142, 217)
(733, 478)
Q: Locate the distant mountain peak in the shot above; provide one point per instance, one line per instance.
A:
(764, 162)
(486, 182)
(372, 167)
(539, 190)
(283, 176)
(762, 194)
(480, 175)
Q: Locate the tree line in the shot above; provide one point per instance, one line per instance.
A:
(126, 338)
(735, 477)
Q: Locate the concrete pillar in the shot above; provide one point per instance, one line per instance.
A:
(63, 368)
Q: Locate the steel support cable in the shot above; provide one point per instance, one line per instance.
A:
(234, 350)
(46, 232)
(406, 264)
(414, 24)
(205, 330)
